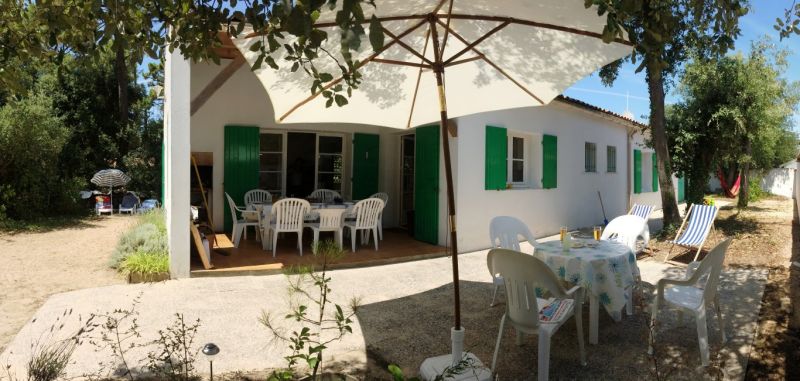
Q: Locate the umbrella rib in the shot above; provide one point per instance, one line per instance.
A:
(476, 42)
(465, 60)
(446, 28)
(494, 65)
(402, 63)
(407, 47)
(360, 64)
(419, 77)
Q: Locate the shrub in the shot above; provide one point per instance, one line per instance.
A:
(143, 262)
(147, 239)
(755, 192)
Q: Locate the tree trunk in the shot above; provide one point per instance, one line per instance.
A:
(744, 188)
(655, 84)
(121, 74)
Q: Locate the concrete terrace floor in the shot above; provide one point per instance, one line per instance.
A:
(405, 316)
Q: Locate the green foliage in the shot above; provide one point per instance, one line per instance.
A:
(147, 240)
(175, 356)
(32, 137)
(755, 192)
(790, 23)
(735, 112)
(146, 263)
(311, 309)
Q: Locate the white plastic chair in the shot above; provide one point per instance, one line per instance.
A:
(505, 232)
(130, 202)
(257, 196)
(101, 206)
(330, 220)
(385, 198)
(366, 214)
(289, 215)
(643, 211)
(324, 195)
(523, 274)
(693, 294)
(701, 221)
(627, 230)
(239, 223)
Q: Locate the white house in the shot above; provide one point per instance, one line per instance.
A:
(544, 165)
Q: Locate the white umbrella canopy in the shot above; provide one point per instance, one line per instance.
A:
(110, 178)
(527, 53)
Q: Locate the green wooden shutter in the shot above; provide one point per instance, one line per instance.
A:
(241, 165)
(496, 156)
(426, 184)
(655, 173)
(366, 151)
(549, 161)
(681, 189)
(637, 171)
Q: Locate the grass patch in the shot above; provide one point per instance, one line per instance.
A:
(45, 224)
(143, 262)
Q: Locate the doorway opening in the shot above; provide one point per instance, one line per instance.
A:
(407, 182)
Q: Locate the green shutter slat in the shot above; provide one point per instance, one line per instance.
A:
(241, 165)
(681, 189)
(496, 156)
(637, 171)
(426, 184)
(655, 173)
(549, 161)
(366, 152)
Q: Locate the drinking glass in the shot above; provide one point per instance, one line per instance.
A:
(597, 231)
(563, 233)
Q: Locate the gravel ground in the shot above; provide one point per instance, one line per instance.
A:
(34, 266)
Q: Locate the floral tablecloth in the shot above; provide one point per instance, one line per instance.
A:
(604, 268)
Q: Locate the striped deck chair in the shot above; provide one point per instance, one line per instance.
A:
(700, 222)
(643, 211)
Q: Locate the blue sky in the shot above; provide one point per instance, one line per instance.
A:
(756, 24)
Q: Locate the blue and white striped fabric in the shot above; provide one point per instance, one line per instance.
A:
(700, 220)
(643, 211)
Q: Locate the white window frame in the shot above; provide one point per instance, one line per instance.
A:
(319, 156)
(608, 150)
(526, 143)
(585, 156)
(282, 170)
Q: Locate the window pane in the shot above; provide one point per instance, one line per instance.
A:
(330, 163)
(329, 181)
(590, 157)
(330, 144)
(270, 181)
(611, 159)
(270, 161)
(518, 171)
(518, 148)
(271, 142)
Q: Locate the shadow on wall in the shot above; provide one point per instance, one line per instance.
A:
(405, 331)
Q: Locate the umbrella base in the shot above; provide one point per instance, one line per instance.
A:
(433, 367)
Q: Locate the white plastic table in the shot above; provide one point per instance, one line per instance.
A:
(604, 268)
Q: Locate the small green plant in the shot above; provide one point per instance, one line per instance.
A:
(755, 193)
(175, 357)
(149, 235)
(118, 331)
(463, 366)
(709, 200)
(325, 323)
(145, 263)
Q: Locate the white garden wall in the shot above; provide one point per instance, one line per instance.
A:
(779, 181)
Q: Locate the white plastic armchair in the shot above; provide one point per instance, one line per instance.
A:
(130, 202)
(330, 220)
(289, 215)
(385, 198)
(257, 196)
(693, 294)
(505, 232)
(366, 214)
(627, 230)
(324, 195)
(524, 275)
(239, 222)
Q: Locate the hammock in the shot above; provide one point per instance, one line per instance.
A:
(733, 190)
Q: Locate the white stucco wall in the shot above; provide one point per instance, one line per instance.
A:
(573, 203)
(648, 197)
(243, 101)
(779, 181)
(177, 161)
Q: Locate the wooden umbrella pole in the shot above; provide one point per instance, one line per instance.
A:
(438, 69)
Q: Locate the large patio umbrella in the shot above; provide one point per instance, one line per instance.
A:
(110, 178)
(496, 55)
